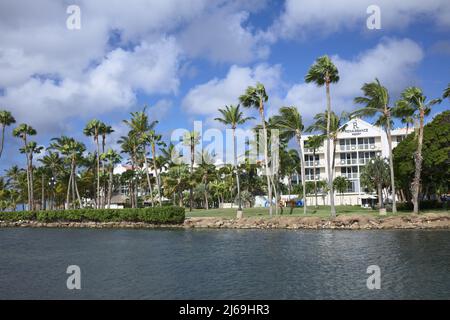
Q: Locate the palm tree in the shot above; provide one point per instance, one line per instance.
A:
(206, 171)
(6, 119)
(131, 145)
(255, 97)
(314, 142)
(113, 158)
(375, 174)
(376, 101)
(73, 151)
(416, 102)
(139, 127)
(335, 125)
(324, 72)
(23, 131)
(155, 140)
(446, 92)
(92, 129)
(291, 125)
(341, 185)
(191, 139)
(54, 164)
(232, 116)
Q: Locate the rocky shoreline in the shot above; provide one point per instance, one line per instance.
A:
(345, 222)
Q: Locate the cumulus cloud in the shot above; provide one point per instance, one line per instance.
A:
(302, 17)
(150, 68)
(204, 99)
(392, 61)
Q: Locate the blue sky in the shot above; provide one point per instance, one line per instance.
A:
(185, 59)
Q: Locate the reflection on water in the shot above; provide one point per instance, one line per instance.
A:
(224, 264)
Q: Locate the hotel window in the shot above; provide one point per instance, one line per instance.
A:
(366, 143)
(309, 174)
(365, 156)
(347, 144)
(399, 138)
(348, 158)
(353, 186)
(309, 160)
(349, 172)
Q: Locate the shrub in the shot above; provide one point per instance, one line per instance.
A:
(423, 205)
(157, 215)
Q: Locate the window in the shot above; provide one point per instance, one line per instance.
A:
(347, 144)
(349, 172)
(366, 143)
(309, 160)
(364, 157)
(309, 174)
(348, 158)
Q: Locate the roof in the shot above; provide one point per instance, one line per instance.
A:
(119, 199)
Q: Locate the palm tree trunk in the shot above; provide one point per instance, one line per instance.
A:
(315, 180)
(31, 182)
(380, 196)
(330, 175)
(148, 177)
(110, 184)
(266, 156)
(391, 165)
(206, 196)
(42, 193)
(76, 188)
(158, 185)
(191, 193)
(68, 188)
(98, 171)
(302, 169)
(415, 186)
(3, 140)
(237, 172)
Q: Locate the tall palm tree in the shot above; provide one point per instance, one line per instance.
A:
(416, 102)
(376, 101)
(324, 72)
(255, 97)
(131, 145)
(330, 128)
(92, 129)
(113, 158)
(6, 119)
(155, 140)
(314, 142)
(54, 164)
(139, 127)
(289, 121)
(191, 139)
(73, 152)
(23, 131)
(232, 116)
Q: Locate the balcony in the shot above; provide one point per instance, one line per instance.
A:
(312, 163)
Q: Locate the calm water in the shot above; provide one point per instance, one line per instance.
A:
(223, 264)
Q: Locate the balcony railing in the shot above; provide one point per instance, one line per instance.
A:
(311, 163)
(346, 161)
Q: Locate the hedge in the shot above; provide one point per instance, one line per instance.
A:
(157, 215)
(423, 205)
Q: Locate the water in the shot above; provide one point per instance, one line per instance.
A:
(223, 264)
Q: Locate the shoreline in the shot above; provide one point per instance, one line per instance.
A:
(344, 222)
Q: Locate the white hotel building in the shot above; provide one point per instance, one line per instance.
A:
(356, 145)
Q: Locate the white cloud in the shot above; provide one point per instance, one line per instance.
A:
(112, 84)
(205, 99)
(387, 62)
(303, 18)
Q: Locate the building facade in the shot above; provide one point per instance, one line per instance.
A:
(357, 143)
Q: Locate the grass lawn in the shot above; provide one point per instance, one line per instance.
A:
(322, 211)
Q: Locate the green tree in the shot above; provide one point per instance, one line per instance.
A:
(233, 117)
(446, 93)
(255, 97)
(191, 139)
(414, 100)
(341, 184)
(375, 175)
(376, 102)
(324, 72)
(112, 158)
(6, 119)
(92, 129)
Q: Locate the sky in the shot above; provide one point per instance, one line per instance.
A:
(184, 59)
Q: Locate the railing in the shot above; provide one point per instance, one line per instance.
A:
(311, 163)
(346, 161)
